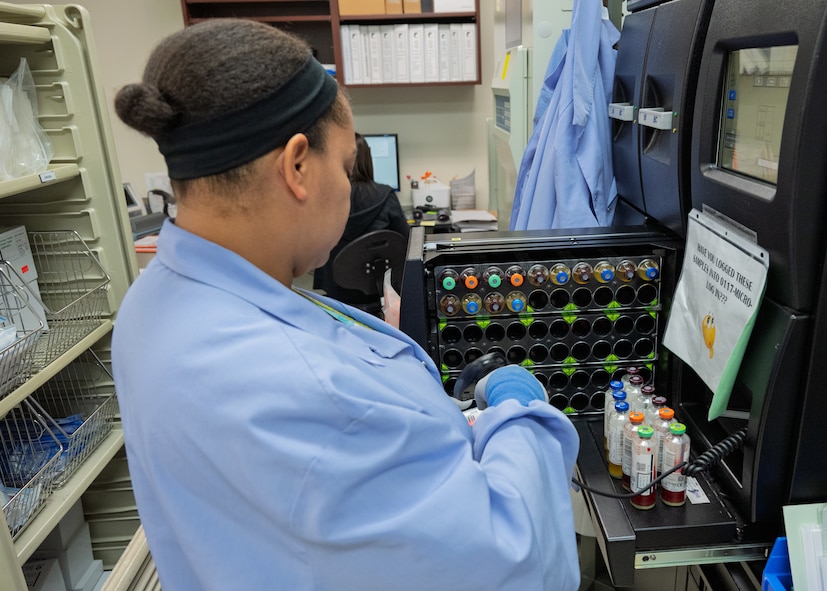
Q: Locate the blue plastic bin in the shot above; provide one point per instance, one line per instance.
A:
(777, 573)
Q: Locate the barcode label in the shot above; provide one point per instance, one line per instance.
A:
(615, 445)
(642, 471)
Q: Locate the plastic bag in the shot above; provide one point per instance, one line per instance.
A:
(24, 146)
(390, 302)
(8, 334)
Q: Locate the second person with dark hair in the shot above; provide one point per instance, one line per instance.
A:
(373, 206)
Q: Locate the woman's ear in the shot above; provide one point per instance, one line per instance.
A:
(292, 164)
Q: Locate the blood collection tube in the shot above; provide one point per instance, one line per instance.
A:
(449, 305)
(515, 275)
(448, 279)
(469, 278)
(675, 452)
(582, 273)
(538, 275)
(515, 301)
(560, 274)
(630, 430)
(493, 277)
(643, 469)
(604, 272)
(614, 394)
(616, 424)
(471, 303)
(494, 302)
(626, 270)
(648, 270)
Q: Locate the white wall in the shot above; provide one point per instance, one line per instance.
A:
(124, 33)
(441, 129)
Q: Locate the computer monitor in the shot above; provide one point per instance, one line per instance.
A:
(384, 152)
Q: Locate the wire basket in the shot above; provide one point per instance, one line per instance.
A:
(29, 456)
(20, 327)
(79, 406)
(73, 290)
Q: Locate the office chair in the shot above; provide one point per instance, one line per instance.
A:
(361, 266)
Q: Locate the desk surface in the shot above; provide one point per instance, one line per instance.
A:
(461, 220)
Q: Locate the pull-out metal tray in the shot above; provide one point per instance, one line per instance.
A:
(663, 536)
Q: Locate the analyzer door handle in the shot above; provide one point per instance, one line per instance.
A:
(656, 117)
(622, 111)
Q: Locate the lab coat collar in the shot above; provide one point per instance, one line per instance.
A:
(206, 262)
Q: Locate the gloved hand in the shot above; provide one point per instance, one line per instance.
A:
(509, 382)
(463, 394)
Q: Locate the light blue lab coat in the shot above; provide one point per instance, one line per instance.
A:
(274, 447)
(566, 178)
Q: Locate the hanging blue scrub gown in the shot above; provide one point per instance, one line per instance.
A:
(566, 179)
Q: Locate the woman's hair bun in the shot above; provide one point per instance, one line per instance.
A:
(143, 107)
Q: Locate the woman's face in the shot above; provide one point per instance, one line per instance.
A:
(332, 188)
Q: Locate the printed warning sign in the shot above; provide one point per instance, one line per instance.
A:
(716, 302)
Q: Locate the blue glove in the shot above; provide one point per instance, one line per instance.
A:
(509, 382)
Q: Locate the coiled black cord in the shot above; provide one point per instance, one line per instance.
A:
(716, 453)
(701, 464)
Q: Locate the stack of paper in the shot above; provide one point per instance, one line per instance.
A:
(474, 220)
(464, 192)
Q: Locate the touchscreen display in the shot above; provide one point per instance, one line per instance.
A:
(756, 90)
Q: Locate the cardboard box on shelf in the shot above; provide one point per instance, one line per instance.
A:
(393, 7)
(358, 7)
(412, 6)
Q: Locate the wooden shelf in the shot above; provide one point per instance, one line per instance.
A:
(274, 19)
(319, 23)
(409, 18)
(415, 84)
(326, 2)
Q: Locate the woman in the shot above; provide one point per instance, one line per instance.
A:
(278, 439)
(373, 206)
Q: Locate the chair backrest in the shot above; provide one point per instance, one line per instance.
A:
(361, 264)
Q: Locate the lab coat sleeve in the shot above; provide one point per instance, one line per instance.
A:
(428, 511)
(543, 433)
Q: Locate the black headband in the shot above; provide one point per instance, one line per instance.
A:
(238, 137)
